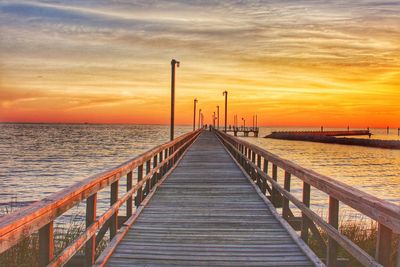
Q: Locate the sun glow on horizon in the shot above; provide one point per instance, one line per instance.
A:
(291, 63)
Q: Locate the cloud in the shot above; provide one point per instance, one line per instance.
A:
(298, 49)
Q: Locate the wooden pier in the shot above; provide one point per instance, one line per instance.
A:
(245, 130)
(205, 198)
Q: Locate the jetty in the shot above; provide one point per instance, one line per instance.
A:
(205, 198)
(330, 137)
(324, 133)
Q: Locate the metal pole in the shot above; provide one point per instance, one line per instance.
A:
(194, 114)
(214, 120)
(218, 117)
(225, 93)
(174, 64)
(256, 122)
(199, 118)
(244, 123)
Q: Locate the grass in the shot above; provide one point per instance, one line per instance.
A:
(362, 234)
(26, 252)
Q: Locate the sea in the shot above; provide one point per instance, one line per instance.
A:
(37, 160)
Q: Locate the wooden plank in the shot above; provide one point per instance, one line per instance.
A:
(46, 244)
(129, 206)
(305, 221)
(26, 221)
(114, 217)
(377, 209)
(333, 220)
(90, 247)
(194, 219)
(285, 209)
(384, 245)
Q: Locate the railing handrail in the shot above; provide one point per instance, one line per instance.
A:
(24, 222)
(378, 209)
(386, 214)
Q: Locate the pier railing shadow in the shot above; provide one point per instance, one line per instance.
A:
(259, 164)
(151, 167)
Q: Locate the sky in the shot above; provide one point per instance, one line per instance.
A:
(291, 62)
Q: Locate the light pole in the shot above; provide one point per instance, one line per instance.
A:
(174, 64)
(214, 120)
(225, 93)
(244, 123)
(194, 114)
(218, 117)
(202, 120)
(198, 126)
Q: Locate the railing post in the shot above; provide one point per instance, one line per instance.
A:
(154, 178)
(258, 175)
(90, 247)
(265, 169)
(114, 217)
(285, 209)
(304, 218)
(384, 245)
(129, 201)
(139, 194)
(333, 220)
(46, 244)
(160, 170)
(275, 178)
(166, 165)
(148, 167)
(253, 159)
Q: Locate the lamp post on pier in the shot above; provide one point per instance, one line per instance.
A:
(194, 113)
(225, 93)
(174, 65)
(218, 117)
(244, 123)
(214, 120)
(198, 126)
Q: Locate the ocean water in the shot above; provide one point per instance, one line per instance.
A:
(39, 159)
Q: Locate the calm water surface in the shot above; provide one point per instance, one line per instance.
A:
(39, 159)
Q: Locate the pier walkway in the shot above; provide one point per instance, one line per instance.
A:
(203, 199)
(207, 212)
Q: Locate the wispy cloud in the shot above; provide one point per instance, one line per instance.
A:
(286, 51)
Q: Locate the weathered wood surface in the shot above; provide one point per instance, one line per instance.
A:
(208, 213)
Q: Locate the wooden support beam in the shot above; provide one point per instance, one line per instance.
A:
(305, 220)
(285, 210)
(333, 220)
(129, 206)
(46, 244)
(259, 183)
(275, 178)
(90, 247)
(154, 179)
(139, 194)
(384, 245)
(147, 187)
(114, 217)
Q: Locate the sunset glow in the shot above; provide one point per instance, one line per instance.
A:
(303, 63)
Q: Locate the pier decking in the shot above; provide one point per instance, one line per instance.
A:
(205, 198)
(208, 213)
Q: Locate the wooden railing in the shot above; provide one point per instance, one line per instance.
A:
(256, 161)
(39, 217)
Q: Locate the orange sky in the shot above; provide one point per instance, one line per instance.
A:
(289, 62)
